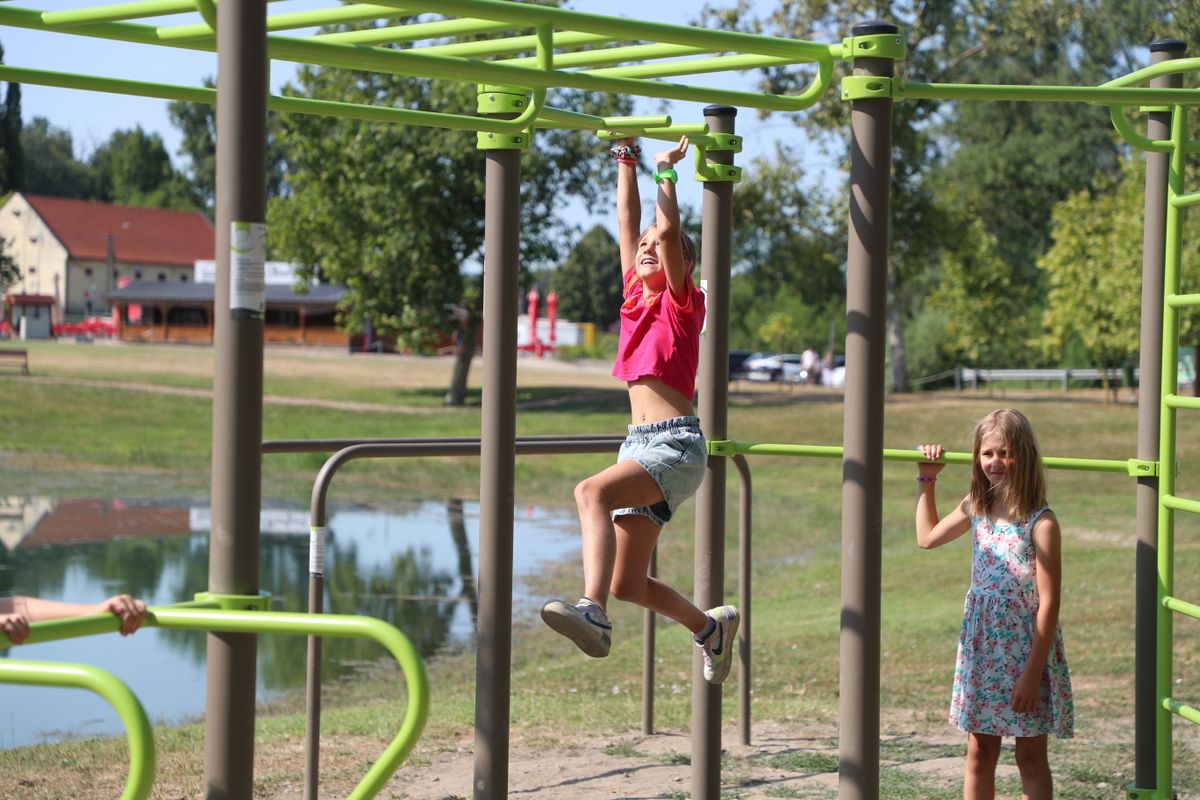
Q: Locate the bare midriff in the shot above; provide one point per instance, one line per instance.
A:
(651, 400)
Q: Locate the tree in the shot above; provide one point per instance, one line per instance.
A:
(51, 166)
(12, 160)
(395, 212)
(133, 168)
(10, 273)
(588, 282)
(198, 124)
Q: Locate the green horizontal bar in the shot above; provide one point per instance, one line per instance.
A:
(695, 66)
(1185, 200)
(617, 55)
(1187, 609)
(118, 11)
(1103, 95)
(1180, 504)
(561, 118)
(117, 694)
(1189, 713)
(1156, 70)
(337, 625)
(1181, 401)
(515, 44)
(694, 130)
(729, 448)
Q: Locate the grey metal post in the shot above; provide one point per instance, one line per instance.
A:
(712, 397)
(237, 388)
(648, 631)
(493, 658)
(745, 564)
(1149, 420)
(862, 463)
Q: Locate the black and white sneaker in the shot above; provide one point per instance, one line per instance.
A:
(585, 624)
(718, 648)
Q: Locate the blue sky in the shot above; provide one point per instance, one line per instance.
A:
(92, 117)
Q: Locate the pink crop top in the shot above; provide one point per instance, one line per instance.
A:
(660, 337)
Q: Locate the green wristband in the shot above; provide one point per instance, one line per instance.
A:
(666, 175)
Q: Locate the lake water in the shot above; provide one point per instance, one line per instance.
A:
(413, 565)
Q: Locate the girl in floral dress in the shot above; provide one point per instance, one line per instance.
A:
(1011, 676)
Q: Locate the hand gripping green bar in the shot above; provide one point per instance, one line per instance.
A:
(95, 680)
(336, 625)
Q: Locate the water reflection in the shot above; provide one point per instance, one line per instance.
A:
(395, 563)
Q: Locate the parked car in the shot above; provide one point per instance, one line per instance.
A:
(737, 363)
(776, 367)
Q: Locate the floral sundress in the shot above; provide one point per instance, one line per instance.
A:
(997, 633)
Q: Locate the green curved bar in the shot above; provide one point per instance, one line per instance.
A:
(338, 625)
(1125, 128)
(1156, 70)
(117, 694)
(208, 12)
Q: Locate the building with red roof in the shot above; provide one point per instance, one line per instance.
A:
(77, 251)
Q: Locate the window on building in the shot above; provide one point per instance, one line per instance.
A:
(116, 274)
(87, 271)
(162, 277)
(183, 278)
(137, 275)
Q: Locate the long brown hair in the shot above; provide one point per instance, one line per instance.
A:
(1024, 488)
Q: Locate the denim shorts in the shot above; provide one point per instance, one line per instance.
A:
(675, 454)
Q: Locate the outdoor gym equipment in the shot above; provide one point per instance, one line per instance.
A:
(564, 49)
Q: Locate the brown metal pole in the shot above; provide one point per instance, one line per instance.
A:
(237, 388)
(1149, 419)
(712, 397)
(648, 622)
(862, 463)
(745, 562)
(493, 658)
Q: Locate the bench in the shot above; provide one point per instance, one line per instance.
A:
(13, 356)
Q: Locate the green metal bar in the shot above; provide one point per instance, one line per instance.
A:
(618, 55)
(1183, 300)
(338, 625)
(118, 11)
(1103, 95)
(1181, 607)
(829, 451)
(1167, 452)
(516, 44)
(1184, 200)
(694, 131)
(1144, 74)
(1189, 713)
(442, 30)
(1125, 128)
(1177, 503)
(1181, 401)
(696, 66)
(351, 13)
(561, 118)
(97, 681)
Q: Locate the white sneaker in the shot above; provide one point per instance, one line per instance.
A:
(718, 648)
(585, 624)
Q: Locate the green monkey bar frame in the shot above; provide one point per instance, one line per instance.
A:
(546, 48)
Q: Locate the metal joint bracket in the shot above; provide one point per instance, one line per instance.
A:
(723, 143)
(870, 87)
(502, 141)
(712, 172)
(502, 100)
(727, 448)
(1139, 468)
(1134, 793)
(878, 45)
(235, 602)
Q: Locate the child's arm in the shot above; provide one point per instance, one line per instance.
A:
(629, 208)
(666, 222)
(1047, 545)
(17, 612)
(931, 530)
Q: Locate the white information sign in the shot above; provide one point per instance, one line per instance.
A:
(247, 258)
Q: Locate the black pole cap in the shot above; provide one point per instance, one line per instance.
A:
(874, 26)
(720, 111)
(1168, 46)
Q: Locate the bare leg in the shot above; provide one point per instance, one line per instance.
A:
(622, 485)
(636, 537)
(979, 780)
(1034, 764)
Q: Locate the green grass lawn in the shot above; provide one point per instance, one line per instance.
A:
(73, 437)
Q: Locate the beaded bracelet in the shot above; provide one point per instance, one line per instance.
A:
(923, 479)
(625, 152)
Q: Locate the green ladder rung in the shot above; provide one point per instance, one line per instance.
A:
(1180, 401)
(1183, 300)
(1190, 713)
(1181, 606)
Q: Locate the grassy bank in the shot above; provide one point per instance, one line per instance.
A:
(136, 420)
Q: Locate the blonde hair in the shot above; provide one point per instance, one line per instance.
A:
(1024, 488)
(689, 247)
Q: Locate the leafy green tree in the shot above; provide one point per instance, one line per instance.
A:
(12, 160)
(133, 168)
(50, 164)
(588, 282)
(197, 122)
(10, 273)
(395, 212)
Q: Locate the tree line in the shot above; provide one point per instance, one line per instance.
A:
(1015, 233)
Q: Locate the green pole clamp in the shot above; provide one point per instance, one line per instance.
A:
(877, 45)
(725, 448)
(502, 99)
(1134, 793)
(712, 172)
(1139, 468)
(871, 87)
(235, 602)
(485, 140)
